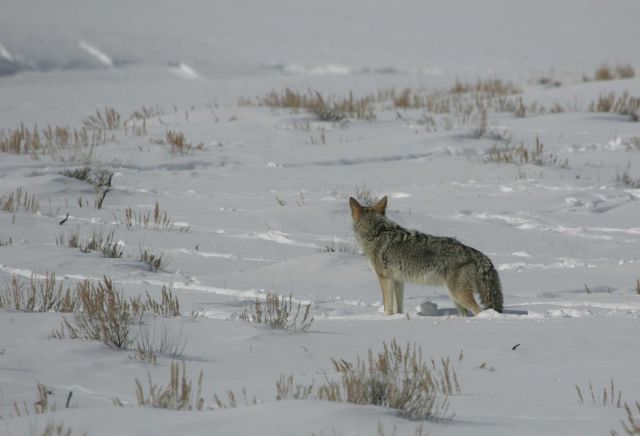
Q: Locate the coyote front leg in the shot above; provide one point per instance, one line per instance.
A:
(386, 285)
(392, 294)
(398, 296)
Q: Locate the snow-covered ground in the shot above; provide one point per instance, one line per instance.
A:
(254, 207)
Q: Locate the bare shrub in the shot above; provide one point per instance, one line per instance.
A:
(156, 262)
(104, 315)
(159, 338)
(394, 378)
(365, 196)
(96, 177)
(604, 72)
(625, 71)
(481, 123)
(179, 394)
(621, 71)
(59, 138)
(108, 119)
(279, 313)
(100, 179)
(287, 389)
(608, 397)
(626, 179)
(52, 429)
(38, 295)
(521, 155)
(40, 406)
(178, 142)
(624, 104)
(20, 201)
(167, 306)
(340, 246)
(325, 108)
(490, 87)
(632, 426)
(104, 242)
(632, 143)
(21, 140)
(157, 219)
(99, 240)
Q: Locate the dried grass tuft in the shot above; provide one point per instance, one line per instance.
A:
(102, 313)
(179, 394)
(44, 294)
(608, 397)
(20, 201)
(396, 378)
(279, 313)
(521, 155)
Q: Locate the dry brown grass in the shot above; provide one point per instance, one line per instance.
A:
(99, 240)
(108, 119)
(20, 201)
(52, 429)
(44, 294)
(621, 71)
(63, 142)
(521, 155)
(136, 123)
(604, 72)
(339, 246)
(102, 313)
(40, 406)
(158, 219)
(179, 143)
(624, 104)
(608, 397)
(158, 338)
(490, 87)
(279, 313)
(178, 394)
(20, 141)
(167, 306)
(330, 108)
(156, 262)
(625, 71)
(396, 378)
(96, 177)
(632, 425)
(60, 142)
(626, 179)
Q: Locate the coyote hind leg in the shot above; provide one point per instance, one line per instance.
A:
(465, 299)
(462, 311)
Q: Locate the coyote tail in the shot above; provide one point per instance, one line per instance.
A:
(489, 287)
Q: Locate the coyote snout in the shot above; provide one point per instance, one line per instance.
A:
(398, 255)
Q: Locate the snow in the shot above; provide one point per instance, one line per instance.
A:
(253, 211)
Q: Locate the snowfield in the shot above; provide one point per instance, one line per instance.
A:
(256, 201)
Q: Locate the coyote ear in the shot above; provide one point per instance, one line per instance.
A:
(356, 209)
(381, 205)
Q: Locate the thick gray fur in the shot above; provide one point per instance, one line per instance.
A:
(398, 255)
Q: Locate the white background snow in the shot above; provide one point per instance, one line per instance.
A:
(263, 196)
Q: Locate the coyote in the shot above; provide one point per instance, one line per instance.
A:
(398, 255)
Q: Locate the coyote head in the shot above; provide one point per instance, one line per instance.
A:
(357, 210)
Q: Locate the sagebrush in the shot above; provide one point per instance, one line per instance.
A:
(279, 313)
(396, 378)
